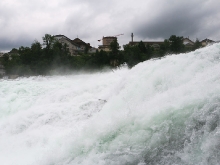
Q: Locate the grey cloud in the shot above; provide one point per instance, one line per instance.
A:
(23, 22)
(184, 19)
(6, 45)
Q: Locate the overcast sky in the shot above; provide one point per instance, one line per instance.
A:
(23, 21)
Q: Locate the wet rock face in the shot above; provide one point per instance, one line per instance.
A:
(2, 71)
(13, 76)
(92, 107)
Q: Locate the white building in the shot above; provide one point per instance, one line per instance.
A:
(70, 44)
(75, 46)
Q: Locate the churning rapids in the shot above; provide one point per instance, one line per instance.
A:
(162, 111)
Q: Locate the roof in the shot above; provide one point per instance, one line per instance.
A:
(59, 35)
(109, 37)
(80, 42)
(146, 42)
(207, 40)
(188, 39)
(187, 42)
(104, 46)
(63, 36)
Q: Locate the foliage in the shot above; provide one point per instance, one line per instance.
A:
(48, 41)
(176, 44)
(142, 47)
(165, 47)
(197, 45)
(114, 46)
(38, 60)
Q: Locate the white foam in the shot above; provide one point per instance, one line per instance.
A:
(161, 111)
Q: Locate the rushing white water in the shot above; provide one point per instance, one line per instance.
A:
(164, 111)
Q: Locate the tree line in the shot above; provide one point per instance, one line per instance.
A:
(52, 56)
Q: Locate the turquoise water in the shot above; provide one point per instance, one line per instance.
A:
(162, 111)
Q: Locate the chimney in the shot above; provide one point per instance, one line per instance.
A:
(132, 35)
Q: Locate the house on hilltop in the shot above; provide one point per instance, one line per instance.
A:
(75, 46)
(155, 44)
(206, 42)
(106, 42)
(188, 43)
(82, 45)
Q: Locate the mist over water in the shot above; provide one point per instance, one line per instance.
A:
(162, 111)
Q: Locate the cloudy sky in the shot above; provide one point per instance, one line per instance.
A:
(24, 21)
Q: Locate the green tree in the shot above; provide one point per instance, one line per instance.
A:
(149, 52)
(36, 53)
(114, 54)
(102, 58)
(86, 49)
(142, 47)
(60, 56)
(197, 45)
(25, 55)
(36, 47)
(114, 46)
(48, 41)
(132, 55)
(14, 51)
(176, 44)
